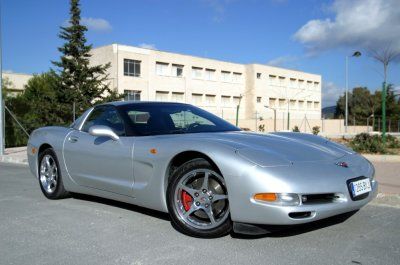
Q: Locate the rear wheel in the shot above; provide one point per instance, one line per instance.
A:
(198, 200)
(50, 179)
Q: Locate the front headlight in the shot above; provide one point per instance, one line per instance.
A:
(283, 199)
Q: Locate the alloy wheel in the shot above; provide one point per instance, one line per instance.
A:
(201, 199)
(48, 174)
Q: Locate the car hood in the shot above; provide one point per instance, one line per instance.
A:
(280, 148)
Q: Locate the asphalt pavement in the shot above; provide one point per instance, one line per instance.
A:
(89, 230)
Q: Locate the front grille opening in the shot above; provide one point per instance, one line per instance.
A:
(299, 215)
(319, 198)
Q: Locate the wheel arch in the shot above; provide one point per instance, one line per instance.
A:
(183, 157)
(43, 147)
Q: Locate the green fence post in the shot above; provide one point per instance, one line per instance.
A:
(384, 112)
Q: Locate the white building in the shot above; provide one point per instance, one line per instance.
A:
(217, 86)
(17, 81)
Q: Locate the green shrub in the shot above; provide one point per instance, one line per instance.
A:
(315, 130)
(366, 143)
(296, 129)
(392, 142)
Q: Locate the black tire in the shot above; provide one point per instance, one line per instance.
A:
(57, 191)
(222, 229)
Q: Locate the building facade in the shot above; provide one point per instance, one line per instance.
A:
(16, 81)
(217, 86)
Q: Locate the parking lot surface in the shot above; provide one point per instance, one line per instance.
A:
(88, 230)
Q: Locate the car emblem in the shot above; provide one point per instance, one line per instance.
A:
(342, 164)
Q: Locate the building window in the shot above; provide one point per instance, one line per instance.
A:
(236, 101)
(316, 85)
(162, 95)
(258, 99)
(161, 68)
(210, 99)
(197, 99)
(209, 74)
(272, 79)
(292, 103)
(178, 97)
(282, 81)
(309, 84)
(225, 101)
(301, 104)
(272, 102)
(226, 76)
(301, 83)
(197, 72)
(309, 104)
(293, 82)
(316, 105)
(132, 95)
(131, 67)
(177, 70)
(281, 102)
(258, 75)
(237, 77)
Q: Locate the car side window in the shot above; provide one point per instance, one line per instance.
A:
(106, 116)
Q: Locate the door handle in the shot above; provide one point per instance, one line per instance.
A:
(73, 139)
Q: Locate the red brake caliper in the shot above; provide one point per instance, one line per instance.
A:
(186, 200)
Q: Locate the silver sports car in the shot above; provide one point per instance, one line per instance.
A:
(210, 176)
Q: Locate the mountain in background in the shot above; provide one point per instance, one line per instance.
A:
(328, 112)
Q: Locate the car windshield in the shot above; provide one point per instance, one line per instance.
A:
(156, 119)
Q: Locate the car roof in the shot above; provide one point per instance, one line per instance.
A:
(124, 103)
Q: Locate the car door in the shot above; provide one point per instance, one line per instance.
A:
(97, 161)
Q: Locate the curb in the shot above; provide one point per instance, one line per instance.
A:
(13, 160)
(382, 158)
(387, 200)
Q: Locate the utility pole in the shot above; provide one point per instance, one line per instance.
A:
(355, 54)
(2, 121)
(237, 111)
(384, 112)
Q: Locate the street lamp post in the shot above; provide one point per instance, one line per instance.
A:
(237, 110)
(267, 107)
(355, 54)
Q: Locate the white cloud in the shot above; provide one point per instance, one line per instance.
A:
(96, 24)
(218, 7)
(148, 46)
(330, 94)
(359, 24)
(283, 61)
(8, 71)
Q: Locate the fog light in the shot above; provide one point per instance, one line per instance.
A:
(286, 199)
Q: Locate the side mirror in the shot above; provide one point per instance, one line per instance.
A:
(101, 130)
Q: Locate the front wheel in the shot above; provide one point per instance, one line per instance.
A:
(50, 179)
(198, 200)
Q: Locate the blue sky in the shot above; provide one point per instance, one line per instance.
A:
(309, 35)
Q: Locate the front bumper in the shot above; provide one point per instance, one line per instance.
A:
(280, 215)
(305, 178)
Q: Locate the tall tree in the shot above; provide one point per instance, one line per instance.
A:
(385, 55)
(79, 81)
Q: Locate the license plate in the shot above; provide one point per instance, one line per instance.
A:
(360, 187)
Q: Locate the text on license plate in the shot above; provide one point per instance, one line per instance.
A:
(360, 187)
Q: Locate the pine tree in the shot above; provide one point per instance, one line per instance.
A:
(79, 82)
